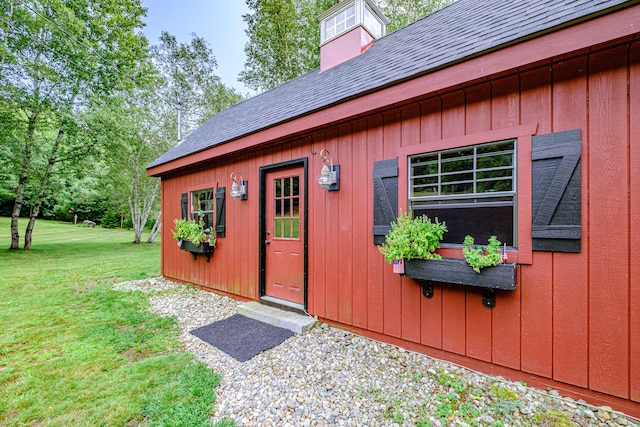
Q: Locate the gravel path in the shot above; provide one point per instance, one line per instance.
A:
(330, 377)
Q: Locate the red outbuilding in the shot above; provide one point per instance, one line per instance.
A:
(519, 119)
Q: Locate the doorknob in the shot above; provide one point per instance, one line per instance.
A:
(266, 242)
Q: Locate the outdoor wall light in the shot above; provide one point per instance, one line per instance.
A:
(238, 191)
(329, 178)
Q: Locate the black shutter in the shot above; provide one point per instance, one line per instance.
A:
(556, 192)
(385, 198)
(185, 205)
(220, 211)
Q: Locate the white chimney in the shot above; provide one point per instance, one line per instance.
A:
(348, 29)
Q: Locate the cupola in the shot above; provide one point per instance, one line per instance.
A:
(348, 29)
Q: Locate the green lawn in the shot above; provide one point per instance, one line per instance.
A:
(74, 352)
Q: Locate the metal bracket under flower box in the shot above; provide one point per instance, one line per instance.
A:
(204, 249)
(457, 271)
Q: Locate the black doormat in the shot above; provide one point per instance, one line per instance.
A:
(242, 337)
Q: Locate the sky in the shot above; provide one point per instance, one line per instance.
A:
(217, 21)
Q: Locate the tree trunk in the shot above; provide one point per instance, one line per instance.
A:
(140, 214)
(24, 175)
(35, 211)
(134, 208)
(157, 227)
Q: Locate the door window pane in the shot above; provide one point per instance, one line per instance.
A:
(296, 185)
(287, 208)
(278, 188)
(287, 187)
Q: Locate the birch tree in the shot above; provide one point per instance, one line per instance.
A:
(131, 137)
(59, 58)
(284, 41)
(187, 72)
(142, 197)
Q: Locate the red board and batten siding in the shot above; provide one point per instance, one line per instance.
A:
(574, 318)
(609, 276)
(634, 220)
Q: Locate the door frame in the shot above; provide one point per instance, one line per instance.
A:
(262, 259)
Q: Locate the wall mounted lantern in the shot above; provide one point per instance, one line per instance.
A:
(238, 191)
(329, 178)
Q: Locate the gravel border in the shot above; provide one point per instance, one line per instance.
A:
(331, 377)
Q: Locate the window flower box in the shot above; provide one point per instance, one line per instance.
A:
(193, 237)
(203, 248)
(457, 271)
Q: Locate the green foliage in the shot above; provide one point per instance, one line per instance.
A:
(84, 71)
(226, 422)
(413, 238)
(188, 70)
(504, 409)
(404, 12)
(503, 393)
(552, 418)
(62, 59)
(110, 220)
(453, 381)
(284, 41)
(468, 411)
(478, 257)
(446, 398)
(284, 36)
(394, 412)
(445, 407)
(193, 231)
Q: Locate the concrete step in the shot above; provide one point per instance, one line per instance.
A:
(298, 323)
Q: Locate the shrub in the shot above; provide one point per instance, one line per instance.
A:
(110, 220)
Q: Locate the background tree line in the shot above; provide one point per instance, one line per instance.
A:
(284, 35)
(86, 101)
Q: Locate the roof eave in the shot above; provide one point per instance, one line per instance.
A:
(156, 169)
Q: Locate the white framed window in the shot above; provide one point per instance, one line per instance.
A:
(472, 189)
(340, 22)
(345, 16)
(202, 202)
(372, 23)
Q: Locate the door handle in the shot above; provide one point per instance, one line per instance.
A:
(266, 242)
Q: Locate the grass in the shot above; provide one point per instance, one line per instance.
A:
(74, 352)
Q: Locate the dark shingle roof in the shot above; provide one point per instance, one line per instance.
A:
(461, 30)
